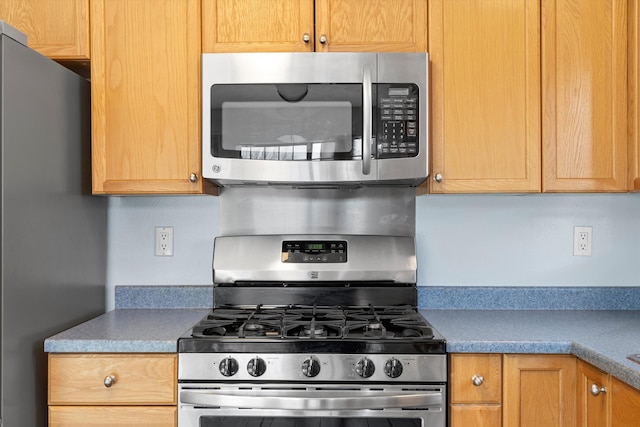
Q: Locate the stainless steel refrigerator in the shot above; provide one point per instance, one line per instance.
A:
(53, 232)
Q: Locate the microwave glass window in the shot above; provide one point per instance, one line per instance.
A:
(284, 131)
(287, 121)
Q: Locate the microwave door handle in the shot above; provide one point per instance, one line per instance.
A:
(367, 111)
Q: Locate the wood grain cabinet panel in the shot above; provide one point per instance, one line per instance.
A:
(257, 25)
(475, 404)
(113, 390)
(593, 411)
(58, 29)
(584, 68)
(331, 25)
(111, 416)
(139, 379)
(485, 96)
(371, 25)
(145, 88)
(625, 405)
(634, 96)
(539, 390)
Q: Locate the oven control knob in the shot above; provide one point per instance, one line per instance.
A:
(256, 367)
(311, 367)
(393, 368)
(365, 368)
(228, 366)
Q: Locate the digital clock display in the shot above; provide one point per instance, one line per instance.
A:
(315, 246)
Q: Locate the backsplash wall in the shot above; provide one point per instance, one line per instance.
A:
(462, 240)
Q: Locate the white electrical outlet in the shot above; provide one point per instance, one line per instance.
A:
(164, 241)
(582, 239)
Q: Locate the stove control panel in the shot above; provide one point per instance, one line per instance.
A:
(314, 367)
(314, 251)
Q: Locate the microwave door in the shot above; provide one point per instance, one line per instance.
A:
(313, 126)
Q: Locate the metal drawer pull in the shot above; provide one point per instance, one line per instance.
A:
(109, 380)
(477, 380)
(596, 390)
(310, 400)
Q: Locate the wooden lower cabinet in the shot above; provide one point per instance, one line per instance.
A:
(593, 407)
(112, 389)
(141, 416)
(625, 405)
(512, 390)
(476, 390)
(539, 390)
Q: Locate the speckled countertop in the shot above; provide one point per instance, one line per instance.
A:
(151, 320)
(603, 338)
(127, 331)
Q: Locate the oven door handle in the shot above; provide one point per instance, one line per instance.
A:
(367, 113)
(312, 401)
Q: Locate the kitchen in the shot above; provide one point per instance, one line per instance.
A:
(497, 238)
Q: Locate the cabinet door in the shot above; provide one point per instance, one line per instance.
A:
(584, 68)
(534, 382)
(107, 416)
(58, 29)
(145, 87)
(371, 25)
(625, 405)
(634, 96)
(485, 92)
(257, 25)
(593, 411)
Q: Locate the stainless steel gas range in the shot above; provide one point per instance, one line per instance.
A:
(313, 330)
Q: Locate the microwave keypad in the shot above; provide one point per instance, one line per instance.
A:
(398, 126)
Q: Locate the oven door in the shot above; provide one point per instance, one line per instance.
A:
(329, 405)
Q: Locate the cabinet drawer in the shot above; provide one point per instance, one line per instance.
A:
(486, 368)
(140, 379)
(139, 416)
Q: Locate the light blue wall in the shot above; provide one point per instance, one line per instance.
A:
(487, 240)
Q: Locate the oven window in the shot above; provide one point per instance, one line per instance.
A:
(286, 121)
(307, 422)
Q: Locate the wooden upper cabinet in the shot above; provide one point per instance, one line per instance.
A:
(58, 29)
(584, 68)
(340, 25)
(634, 96)
(485, 96)
(257, 25)
(371, 25)
(145, 86)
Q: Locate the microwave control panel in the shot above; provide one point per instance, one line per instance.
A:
(316, 251)
(397, 133)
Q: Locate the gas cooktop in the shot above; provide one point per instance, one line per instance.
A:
(299, 328)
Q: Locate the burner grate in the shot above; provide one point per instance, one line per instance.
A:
(314, 322)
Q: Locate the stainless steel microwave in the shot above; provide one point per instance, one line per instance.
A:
(315, 119)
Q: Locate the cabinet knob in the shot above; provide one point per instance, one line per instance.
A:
(193, 177)
(596, 390)
(477, 380)
(109, 380)
(323, 39)
(437, 177)
(306, 38)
